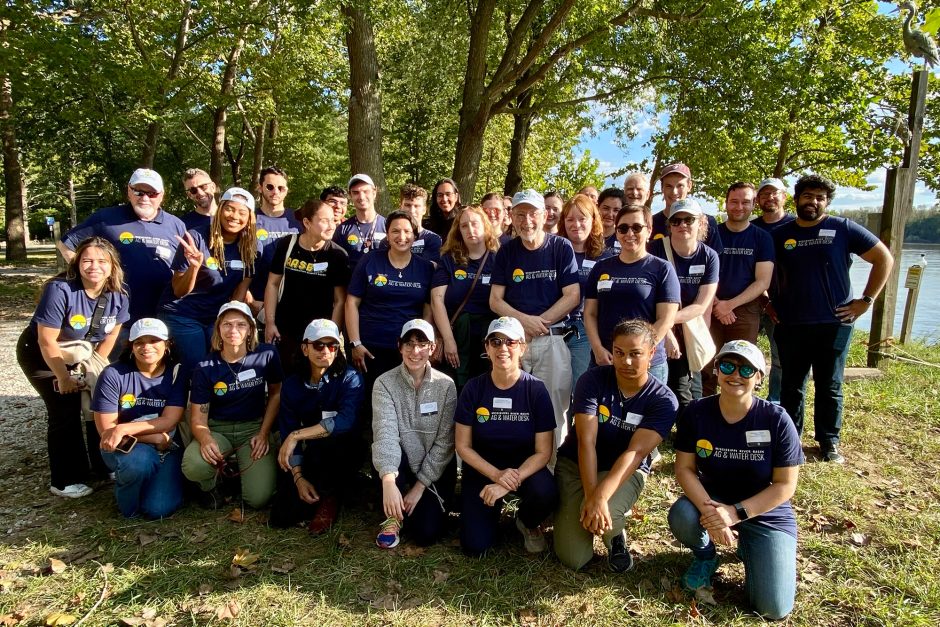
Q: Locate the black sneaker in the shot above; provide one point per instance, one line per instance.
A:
(212, 499)
(618, 558)
(830, 453)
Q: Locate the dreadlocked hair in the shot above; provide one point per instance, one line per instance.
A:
(247, 247)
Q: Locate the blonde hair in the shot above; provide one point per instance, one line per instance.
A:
(251, 340)
(247, 246)
(594, 245)
(455, 244)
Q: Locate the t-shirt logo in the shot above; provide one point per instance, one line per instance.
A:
(657, 236)
(704, 448)
(352, 239)
(518, 276)
(212, 263)
(790, 244)
(78, 322)
(460, 275)
(603, 414)
(604, 277)
(261, 234)
(380, 280)
(126, 237)
(128, 401)
(483, 414)
(219, 389)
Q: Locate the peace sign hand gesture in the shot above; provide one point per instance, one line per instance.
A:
(192, 253)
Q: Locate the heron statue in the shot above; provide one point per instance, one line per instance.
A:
(917, 42)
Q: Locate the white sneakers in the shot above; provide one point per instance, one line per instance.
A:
(74, 491)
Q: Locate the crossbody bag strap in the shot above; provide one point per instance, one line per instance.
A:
(96, 316)
(472, 285)
(290, 247)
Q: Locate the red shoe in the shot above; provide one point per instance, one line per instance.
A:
(325, 516)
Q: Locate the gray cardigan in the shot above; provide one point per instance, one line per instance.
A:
(400, 425)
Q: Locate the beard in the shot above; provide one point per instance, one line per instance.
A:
(808, 212)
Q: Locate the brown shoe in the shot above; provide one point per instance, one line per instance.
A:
(325, 516)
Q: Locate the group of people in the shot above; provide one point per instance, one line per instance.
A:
(538, 340)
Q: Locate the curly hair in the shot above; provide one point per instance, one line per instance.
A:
(247, 246)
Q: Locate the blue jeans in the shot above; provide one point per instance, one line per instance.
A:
(776, 370)
(146, 482)
(769, 557)
(192, 340)
(822, 348)
(660, 372)
(580, 348)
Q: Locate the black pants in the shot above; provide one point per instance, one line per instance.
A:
(427, 521)
(70, 461)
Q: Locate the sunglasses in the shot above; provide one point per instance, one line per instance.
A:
(319, 346)
(195, 188)
(623, 229)
(688, 221)
(271, 187)
(727, 368)
(141, 193)
(496, 342)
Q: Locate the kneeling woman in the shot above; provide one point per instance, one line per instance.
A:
(737, 460)
(235, 396)
(141, 398)
(413, 441)
(621, 414)
(319, 405)
(504, 435)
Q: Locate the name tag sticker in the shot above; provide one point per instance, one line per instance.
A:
(328, 414)
(164, 252)
(827, 232)
(757, 438)
(587, 264)
(244, 375)
(418, 243)
(485, 279)
(109, 327)
(502, 403)
(378, 237)
(320, 267)
(428, 408)
(633, 419)
(605, 285)
(697, 269)
(236, 264)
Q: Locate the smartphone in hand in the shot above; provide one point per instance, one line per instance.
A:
(126, 444)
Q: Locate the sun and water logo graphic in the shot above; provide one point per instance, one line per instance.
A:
(603, 414)
(78, 322)
(126, 237)
(704, 448)
(261, 234)
(460, 274)
(212, 263)
(380, 280)
(128, 401)
(220, 388)
(790, 244)
(518, 275)
(483, 414)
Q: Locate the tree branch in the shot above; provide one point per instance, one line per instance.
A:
(135, 36)
(549, 106)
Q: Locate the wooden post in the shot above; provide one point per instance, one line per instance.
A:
(898, 205)
(912, 283)
(56, 236)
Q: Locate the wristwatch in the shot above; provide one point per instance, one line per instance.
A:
(356, 343)
(868, 299)
(742, 512)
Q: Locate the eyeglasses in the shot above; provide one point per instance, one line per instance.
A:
(319, 346)
(445, 195)
(496, 342)
(727, 368)
(623, 229)
(688, 221)
(419, 345)
(195, 188)
(140, 193)
(271, 187)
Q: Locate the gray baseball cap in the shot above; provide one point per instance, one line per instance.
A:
(744, 350)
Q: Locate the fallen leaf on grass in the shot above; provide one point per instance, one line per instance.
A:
(344, 541)
(440, 576)
(58, 619)
(385, 602)
(236, 515)
(9, 620)
(54, 567)
(107, 568)
(146, 538)
(675, 594)
(7, 584)
(204, 589)
(284, 567)
(705, 595)
(199, 536)
(860, 539)
(244, 559)
(693, 610)
(587, 608)
(848, 524)
(412, 551)
(665, 583)
(528, 616)
(410, 603)
(228, 611)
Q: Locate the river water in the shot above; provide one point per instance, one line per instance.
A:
(927, 313)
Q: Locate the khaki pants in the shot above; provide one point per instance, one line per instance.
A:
(548, 358)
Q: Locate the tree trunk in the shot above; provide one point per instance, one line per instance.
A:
(364, 136)
(73, 203)
(235, 160)
(521, 125)
(12, 177)
(258, 155)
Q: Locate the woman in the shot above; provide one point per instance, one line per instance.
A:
(696, 266)
(445, 199)
(232, 412)
(413, 441)
(495, 210)
(633, 284)
(307, 280)
(737, 460)
(461, 287)
(319, 405)
(212, 266)
(580, 224)
(87, 303)
(140, 400)
(504, 435)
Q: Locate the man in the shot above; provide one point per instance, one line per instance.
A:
(814, 305)
(144, 235)
(201, 191)
(609, 204)
(772, 200)
(412, 199)
(365, 230)
(495, 210)
(590, 191)
(336, 197)
(273, 222)
(675, 182)
(746, 266)
(535, 280)
(553, 206)
(636, 189)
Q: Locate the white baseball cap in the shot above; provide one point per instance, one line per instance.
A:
(240, 307)
(241, 195)
(147, 177)
(360, 178)
(149, 326)
(508, 326)
(319, 329)
(686, 205)
(423, 326)
(775, 183)
(745, 350)
(528, 197)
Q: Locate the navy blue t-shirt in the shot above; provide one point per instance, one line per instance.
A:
(354, 236)
(653, 407)
(534, 279)
(631, 290)
(612, 244)
(693, 272)
(64, 305)
(427, 245)
(458, 280)
(786, 219)
(146, 250)
(812, 268)
(390, 297)
(739, 257)
(585, 266)
(216, 280)
(194, 220)
(122, 389)
(736, 461)
(504, 422)
(236, 392)
(268, 231)
(661, 230)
